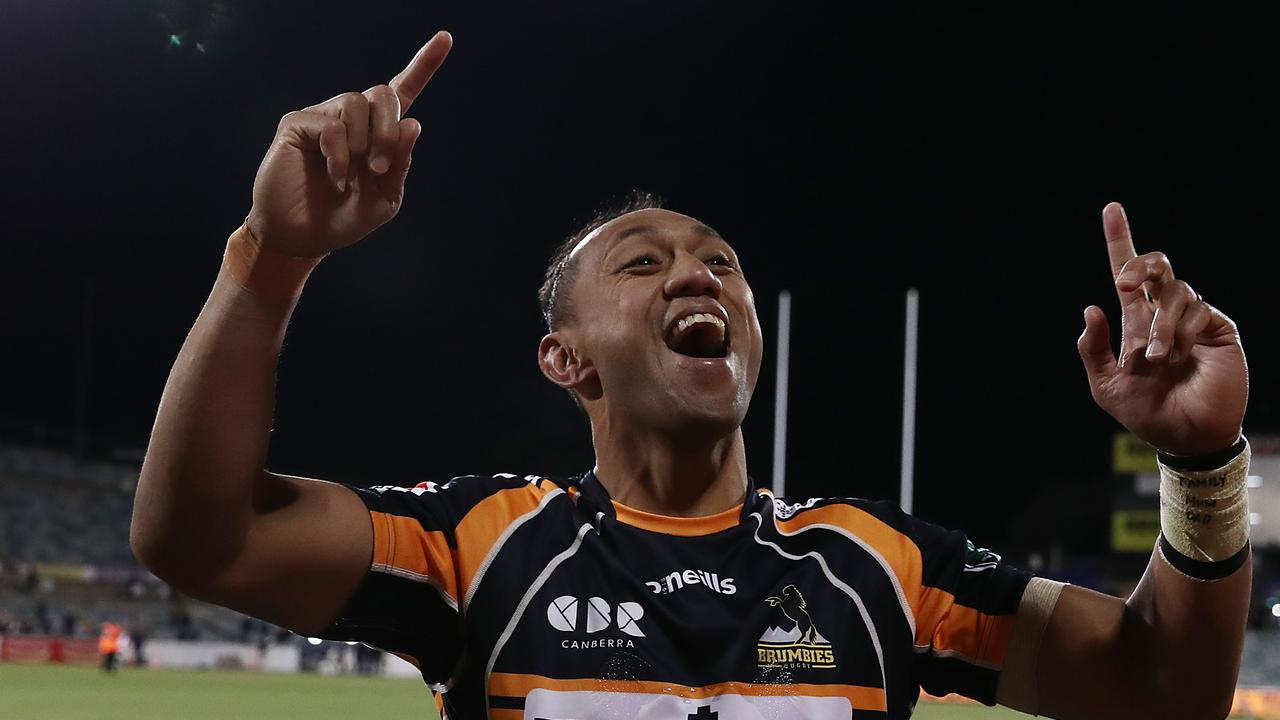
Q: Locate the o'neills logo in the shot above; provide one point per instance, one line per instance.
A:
(680, 579)
(801, 646)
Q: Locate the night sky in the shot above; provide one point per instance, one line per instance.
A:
(847, 151)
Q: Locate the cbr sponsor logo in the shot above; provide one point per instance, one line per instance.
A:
(594, 615)
(682, 578)
(801, 646)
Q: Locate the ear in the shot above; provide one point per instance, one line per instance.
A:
(561, 363)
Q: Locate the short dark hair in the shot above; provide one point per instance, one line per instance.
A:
(553, 296)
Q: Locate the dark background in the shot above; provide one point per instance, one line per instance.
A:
(848, 151)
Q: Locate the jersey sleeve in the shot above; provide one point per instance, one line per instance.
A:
(965, 613)
(429, 543)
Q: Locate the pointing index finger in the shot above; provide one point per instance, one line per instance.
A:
(1115, 225)
(408, 83)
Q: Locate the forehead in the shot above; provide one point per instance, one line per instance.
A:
(648, 222)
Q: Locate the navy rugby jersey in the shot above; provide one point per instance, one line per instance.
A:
(528, 597)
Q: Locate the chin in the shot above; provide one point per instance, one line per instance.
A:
(703, 425)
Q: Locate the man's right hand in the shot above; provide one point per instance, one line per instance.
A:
(336, 171)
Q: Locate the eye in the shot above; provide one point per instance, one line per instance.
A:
(722, 260)
(640, 261)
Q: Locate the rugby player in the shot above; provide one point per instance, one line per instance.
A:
(662, 583)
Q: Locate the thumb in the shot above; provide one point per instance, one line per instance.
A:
(1095, 348)
(393, 180)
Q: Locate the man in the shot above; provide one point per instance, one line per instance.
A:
(109, 646)
(662, 583)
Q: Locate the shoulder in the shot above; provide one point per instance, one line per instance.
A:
(497, 494)
(840, 511)
(473, 485)
(875, 522)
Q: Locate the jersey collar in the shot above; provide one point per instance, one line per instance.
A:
(597, 500)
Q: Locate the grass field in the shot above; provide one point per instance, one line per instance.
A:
(43, 692)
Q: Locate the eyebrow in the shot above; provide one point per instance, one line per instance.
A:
(706, 230)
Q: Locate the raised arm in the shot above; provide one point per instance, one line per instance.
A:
(1172, 649)
(208, 517)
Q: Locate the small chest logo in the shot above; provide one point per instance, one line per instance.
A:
(795, 641)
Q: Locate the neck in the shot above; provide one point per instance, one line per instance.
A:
(658, 476)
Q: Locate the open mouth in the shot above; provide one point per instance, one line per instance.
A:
(700, 335)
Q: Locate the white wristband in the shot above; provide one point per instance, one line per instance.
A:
(1204, 512)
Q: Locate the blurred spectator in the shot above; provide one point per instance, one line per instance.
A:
(263, 645)
(30, 580)
(109, 646)
(138, 640)
(368, 660)
(44, 623)
(248, 628)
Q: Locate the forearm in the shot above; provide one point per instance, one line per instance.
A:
(1196, 634)
(204, 464)
(1172, 650)
(1195, 595)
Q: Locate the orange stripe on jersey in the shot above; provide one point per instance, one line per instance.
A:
(518, 685)
(488, 519)
(402, 547)
(681, 526)
(969, 633)
(931, 612)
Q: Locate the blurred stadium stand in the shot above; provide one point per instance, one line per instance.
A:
(66, 568)
(65, 563)
(58, 511)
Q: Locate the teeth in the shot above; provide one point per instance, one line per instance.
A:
(688, 321)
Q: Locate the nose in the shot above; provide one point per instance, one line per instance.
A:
(690, 277)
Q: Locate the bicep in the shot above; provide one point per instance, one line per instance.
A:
(304, 553)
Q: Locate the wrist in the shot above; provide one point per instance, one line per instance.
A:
(263, 272)
(1204, 512)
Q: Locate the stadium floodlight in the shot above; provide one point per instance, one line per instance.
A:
(314, 641)
(1275, 610)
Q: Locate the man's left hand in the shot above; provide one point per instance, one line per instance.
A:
(1181, 382)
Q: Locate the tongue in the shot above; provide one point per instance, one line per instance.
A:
(701, 340)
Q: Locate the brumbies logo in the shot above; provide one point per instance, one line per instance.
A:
(800, 647)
